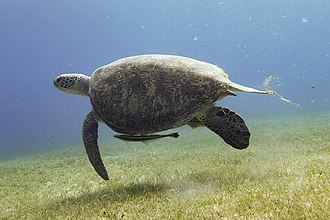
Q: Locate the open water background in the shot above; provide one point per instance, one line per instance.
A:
(250, 40)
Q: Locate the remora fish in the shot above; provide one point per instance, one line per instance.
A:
(143, 138)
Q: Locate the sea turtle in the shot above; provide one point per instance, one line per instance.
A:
(140, 95)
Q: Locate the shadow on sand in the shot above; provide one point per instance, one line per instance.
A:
(195, 183)
(110, 195)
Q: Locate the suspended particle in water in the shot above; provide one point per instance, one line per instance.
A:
(196, 38)
(304, 20)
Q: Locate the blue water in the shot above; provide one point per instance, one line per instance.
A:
(249, 39)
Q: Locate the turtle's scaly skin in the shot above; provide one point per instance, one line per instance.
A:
(151, 93)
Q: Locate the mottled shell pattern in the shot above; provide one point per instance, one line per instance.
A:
(150, 93)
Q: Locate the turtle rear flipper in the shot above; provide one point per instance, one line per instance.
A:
(90, 136)
(228, 125)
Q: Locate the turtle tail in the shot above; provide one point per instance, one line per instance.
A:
(240, 88)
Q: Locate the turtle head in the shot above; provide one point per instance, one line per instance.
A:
(73, 83)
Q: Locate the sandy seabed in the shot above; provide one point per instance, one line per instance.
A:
(283, 174)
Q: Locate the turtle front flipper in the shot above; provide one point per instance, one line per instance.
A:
(89, 132)
(228, 125)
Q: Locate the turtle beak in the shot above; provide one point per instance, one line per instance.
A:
(56, 81)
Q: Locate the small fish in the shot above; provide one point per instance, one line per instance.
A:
(311, 87)
(143, 138)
